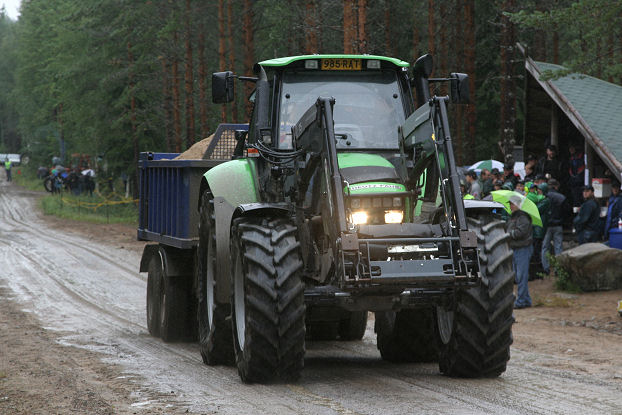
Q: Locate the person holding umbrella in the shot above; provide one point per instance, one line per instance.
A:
(520, 229)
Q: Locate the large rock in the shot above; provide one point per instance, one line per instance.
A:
(593, 267)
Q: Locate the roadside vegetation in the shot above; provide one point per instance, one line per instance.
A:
(104, 206)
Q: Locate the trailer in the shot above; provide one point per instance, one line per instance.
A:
(168, 217)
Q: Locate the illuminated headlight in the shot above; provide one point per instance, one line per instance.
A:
(393, 216)
(359, 218)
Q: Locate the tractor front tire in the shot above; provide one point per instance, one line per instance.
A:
(407, 336)
(267, 299)
(215, 336)
(476, 333)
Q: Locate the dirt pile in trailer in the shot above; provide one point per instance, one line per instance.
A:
(197, 150)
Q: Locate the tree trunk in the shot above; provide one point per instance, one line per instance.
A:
(459, 59)
(388, 35)
(348, 26)
(311, 27)
(508, 88)
(443, 46)
(249, 52)
(203, 103)
(222, 62)
(234, 107)
(176, 98)
(362, 35)
(469, 58)
(189, 79)
(167, 106)
(431, 28)
(130, 74)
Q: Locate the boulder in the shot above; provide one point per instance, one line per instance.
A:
(593, 266)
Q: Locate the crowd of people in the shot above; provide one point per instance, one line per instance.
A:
(557, 189)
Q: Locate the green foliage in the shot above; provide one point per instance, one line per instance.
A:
(562, 277)
(94, 209)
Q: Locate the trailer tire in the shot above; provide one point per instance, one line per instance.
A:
(215, 335)
(476, 333)
(407, 335)
(353, 327)
(267, 299)
(174, 309)
(154, 283)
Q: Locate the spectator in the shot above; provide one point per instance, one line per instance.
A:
(530, 173)
(474, 189)
(559, 210)
(496, 174)
(531, 161)
(486, 180)
(520, 187)
(576, 173)
(497, 185)
(550, 164)
(520, 230)
(538, 196)
(508, 174)
(587, 222)
(7, 168)
(614, 209)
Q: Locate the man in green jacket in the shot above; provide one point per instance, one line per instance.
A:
(7, 168)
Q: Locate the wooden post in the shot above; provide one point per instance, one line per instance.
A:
(555, 125)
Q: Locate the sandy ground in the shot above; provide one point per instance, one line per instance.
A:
(580, 333)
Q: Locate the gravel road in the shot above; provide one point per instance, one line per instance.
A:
(90, 296)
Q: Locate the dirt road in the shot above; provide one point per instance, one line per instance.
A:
(73, 339)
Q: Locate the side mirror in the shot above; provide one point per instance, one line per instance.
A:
(423, 66)
(223, 87)
(459, 88)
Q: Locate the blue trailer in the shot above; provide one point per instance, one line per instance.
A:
(168, 217)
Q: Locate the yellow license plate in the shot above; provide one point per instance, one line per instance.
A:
(341, 64)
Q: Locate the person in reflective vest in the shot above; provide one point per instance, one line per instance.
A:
(7, 168)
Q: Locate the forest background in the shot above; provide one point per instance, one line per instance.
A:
(111, 78)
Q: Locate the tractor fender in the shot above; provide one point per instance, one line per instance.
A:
(232, 184)
(175, 262)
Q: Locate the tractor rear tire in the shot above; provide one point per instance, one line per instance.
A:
(353, 327)
(407, 335)
(267, 299)
(154, 282)
(215, 335)
(477, 333)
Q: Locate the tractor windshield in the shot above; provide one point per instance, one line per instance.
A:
(368, 107)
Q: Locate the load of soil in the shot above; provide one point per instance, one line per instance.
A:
(197, 150)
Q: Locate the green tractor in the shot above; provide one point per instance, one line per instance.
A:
(341, 199)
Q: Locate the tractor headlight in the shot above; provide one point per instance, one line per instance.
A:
(360, 217)
(393, 216)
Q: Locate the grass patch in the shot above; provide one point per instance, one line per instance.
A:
(27, 179)
(562, 277)
(94, 209)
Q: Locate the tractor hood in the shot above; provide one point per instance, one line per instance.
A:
(368, 173)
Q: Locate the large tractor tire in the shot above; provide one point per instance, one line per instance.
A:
(215, 335)
(154, 282)
(353, 327)
(407, 335)
(476, 333)
(267, 299)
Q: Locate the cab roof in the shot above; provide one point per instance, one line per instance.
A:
(291, 59)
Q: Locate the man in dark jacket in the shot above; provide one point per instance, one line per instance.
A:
(558, 211)
(587, 222)
(550, 164)
(614, 209)
(520, 230)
